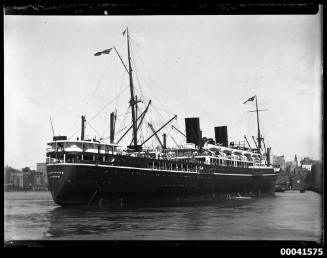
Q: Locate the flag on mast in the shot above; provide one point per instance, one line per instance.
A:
(106, 51)
(250, 99)
(124, 31)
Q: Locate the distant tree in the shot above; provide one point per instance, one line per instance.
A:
(26, 169)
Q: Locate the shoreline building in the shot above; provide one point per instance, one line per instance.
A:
(26, 179)
(301, 174)
(279, 161)
(41, 169)
(13, 179)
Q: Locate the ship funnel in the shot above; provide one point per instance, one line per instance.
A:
(193, 132)
(112, 127)
(221, 135)
(164, 137)
(83, 128)
(59, 138)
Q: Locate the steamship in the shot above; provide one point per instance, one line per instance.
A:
(90, 171)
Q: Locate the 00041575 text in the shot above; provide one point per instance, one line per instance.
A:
(301, 251)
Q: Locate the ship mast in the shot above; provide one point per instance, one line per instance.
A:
(132, 102)
(259, 135)
(258, 124)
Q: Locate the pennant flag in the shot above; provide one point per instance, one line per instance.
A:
(106, 51)
(250, 99)
(124, 31)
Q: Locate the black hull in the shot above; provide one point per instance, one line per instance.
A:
(82, 184)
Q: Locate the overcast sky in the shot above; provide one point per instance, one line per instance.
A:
(192, 66)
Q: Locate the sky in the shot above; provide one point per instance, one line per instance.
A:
(191, 66)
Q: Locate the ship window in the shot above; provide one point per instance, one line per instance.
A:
(88, 157)
(69, 159)
(60, 158)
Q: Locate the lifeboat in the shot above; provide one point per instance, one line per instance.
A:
(213, 147)
(237, 152)
(226, 150)
(255, 155)
(247, 153)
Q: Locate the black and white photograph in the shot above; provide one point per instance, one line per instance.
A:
(163, 127)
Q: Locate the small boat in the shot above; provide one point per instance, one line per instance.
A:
(241, 197)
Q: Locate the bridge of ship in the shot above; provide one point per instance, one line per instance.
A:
(65, 151)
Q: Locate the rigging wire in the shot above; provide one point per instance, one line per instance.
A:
(108, 104)
(153, 83)
(165, 98)
(136, 73)
(95, 88)
(138, 83)
(163, 110)
(161, 117)
(94, 129)
(94, 91)
(100, 110)
(135, 41)
(137, 77)
(122, 124)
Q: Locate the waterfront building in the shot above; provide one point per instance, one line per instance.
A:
(41, 169)
(290, 167)
(307, 174)
(307, 163)
(13, 179)
(28, 178)
(279, 161)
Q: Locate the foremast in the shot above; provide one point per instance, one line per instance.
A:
(132, 101)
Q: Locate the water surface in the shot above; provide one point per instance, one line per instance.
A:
(287, 216)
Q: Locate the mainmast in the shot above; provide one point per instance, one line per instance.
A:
(132, 102)
(259, 135)
(257, 111)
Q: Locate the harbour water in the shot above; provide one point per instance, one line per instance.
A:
(289, 215)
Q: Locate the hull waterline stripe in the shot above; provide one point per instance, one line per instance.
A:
(149, 169)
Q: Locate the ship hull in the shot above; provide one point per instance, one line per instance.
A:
(80, 184)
